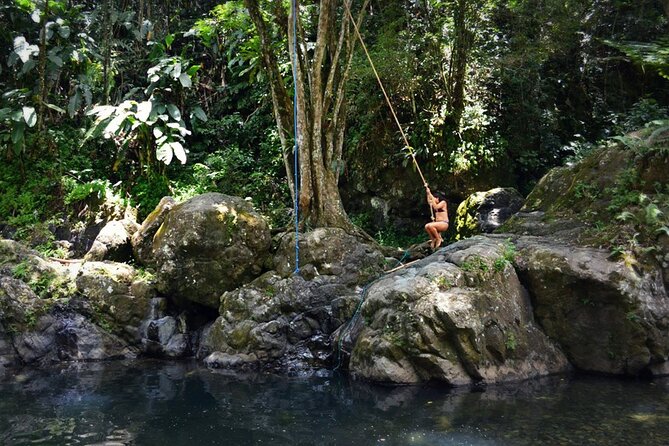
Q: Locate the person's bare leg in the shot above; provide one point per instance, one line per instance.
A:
(439, 227)
(432, 233)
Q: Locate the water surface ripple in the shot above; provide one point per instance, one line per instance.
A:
(182, 403)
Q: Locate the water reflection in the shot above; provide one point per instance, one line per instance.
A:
(181, 403)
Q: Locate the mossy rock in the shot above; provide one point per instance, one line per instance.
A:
(483, 212)
(207, 245)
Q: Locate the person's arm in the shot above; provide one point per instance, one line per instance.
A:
(430, 198)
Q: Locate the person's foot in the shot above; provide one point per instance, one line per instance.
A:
(432, 242)
(438, 243)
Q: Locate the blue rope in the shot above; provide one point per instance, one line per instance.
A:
(296, 147)
(356, 313)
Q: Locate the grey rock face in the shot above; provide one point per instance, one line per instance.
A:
(286, 320)
(78, 339)
(457, 317)
(113, 242)
(207, 245)
(7, 352)
(607, 316)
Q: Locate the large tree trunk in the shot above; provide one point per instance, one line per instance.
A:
(321, 82)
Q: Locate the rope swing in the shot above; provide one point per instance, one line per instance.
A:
(390, 105)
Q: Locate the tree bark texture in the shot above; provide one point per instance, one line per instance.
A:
(322, 73)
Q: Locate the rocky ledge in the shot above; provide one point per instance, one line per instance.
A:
(544, 296)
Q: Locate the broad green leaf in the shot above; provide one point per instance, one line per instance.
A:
(164, 153)
(114, 125)
(176, 71)
(18, 133)
(179, 151)
(185, 80)
(30, 116)
(143, 110)
(193, 70)
(200, 114)
(102, 111)
(56, 60)
(54, 107)
(73, 105)
(88, 95)
(160, 108)
(28, 66)
(174, 112)
(36, 15)
(64, 32)
(169, 39)
(17, 115)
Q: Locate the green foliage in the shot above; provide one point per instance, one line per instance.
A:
(21, 271)
(586, 191)
(443, 283)
(653, 54)
(511, 343)
(75, 191)
(475, 263)
(154, 122)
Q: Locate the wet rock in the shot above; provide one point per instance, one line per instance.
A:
(7, 354)
(207, 245)
(36, 344)
(77, 339)
(483, 212)
(459, 316)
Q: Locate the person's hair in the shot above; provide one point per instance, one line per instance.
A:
(440, 195)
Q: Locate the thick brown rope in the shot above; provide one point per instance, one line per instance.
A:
(390, 105)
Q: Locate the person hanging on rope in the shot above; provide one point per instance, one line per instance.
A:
(440, 219)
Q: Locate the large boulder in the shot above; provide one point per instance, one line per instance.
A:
(329, 251)
(607, 316)
(207, 245)
(285, 320)
(458, 317)
(483, 212)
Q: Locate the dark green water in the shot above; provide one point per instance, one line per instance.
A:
(156, 403)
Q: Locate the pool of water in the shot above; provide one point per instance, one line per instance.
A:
(182, 403)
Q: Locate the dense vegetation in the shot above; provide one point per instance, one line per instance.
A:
(131, 100)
